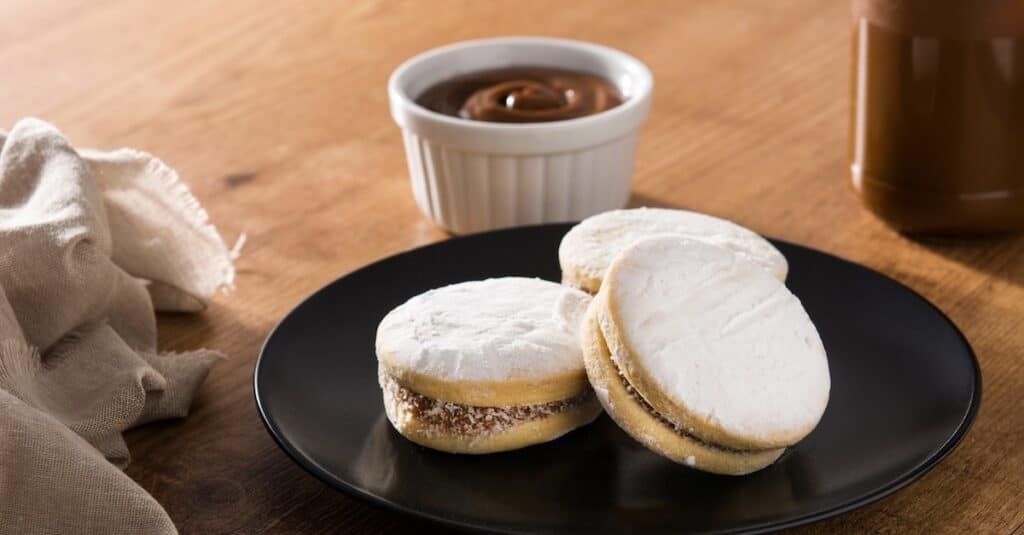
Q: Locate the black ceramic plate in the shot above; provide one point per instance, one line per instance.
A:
(905, 387)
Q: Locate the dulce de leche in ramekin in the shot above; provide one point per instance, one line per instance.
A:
(519, 130)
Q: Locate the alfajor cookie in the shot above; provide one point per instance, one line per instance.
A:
(588, 248)
(703, 356)
(486, 366)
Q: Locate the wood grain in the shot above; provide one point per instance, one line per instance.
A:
(276, 115)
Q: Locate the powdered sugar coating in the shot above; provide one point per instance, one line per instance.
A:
(589, 247)
(510, 328)
(720, 337)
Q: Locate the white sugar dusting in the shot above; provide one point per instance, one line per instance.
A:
(492, 330)
(720, 337)
(591, 246)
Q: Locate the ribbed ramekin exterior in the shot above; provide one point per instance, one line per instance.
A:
(467, 192)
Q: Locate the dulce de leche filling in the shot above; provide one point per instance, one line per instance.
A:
(521, 95)
(467, 420)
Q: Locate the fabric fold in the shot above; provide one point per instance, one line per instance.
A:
(89, 243)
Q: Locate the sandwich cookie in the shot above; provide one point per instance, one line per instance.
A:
(486, 366)
(703, 356)
(588, 248)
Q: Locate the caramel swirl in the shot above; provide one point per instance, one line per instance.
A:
(521, 95)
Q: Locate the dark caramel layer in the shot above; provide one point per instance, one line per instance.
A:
(468, 420)
(521, 95)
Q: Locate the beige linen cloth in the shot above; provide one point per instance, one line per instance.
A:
(90, 243)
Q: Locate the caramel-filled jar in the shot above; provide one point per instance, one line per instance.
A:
(937, 114)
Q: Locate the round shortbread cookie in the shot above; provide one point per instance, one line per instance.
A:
(492, 343)
(588, 248)
(714, 343)
(654, 432)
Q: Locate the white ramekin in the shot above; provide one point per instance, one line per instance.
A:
(470, 176)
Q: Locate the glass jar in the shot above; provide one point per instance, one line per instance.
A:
(937, 114)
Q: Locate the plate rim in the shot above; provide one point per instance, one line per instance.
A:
(940, 454)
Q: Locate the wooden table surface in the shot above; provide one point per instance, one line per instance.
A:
(276, 115)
